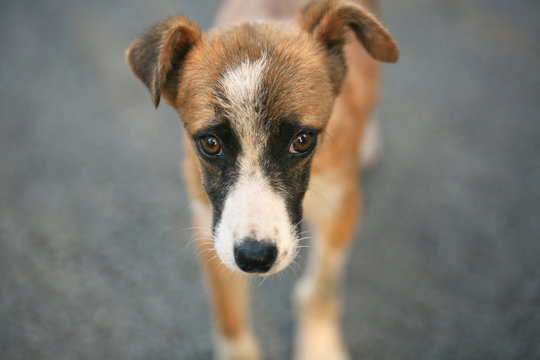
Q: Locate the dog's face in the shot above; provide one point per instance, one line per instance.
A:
(257, 106)
(255, 100)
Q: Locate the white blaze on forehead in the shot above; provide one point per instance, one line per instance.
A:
(241, 87)
(240, 98)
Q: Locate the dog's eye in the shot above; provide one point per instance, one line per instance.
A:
(302, 143)
(210, 145)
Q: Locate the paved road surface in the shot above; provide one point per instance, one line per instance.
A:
(93, 256)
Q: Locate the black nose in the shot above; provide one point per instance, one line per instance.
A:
(255, 256)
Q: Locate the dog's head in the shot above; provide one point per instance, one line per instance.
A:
(255, 99)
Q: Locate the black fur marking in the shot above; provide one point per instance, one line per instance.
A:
(219, 173)
(288, 173)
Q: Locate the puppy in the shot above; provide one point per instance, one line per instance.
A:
(274, 112)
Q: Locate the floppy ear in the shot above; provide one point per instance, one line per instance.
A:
(157, 56)
(327, 21)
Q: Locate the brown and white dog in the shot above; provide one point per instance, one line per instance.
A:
(275, 110)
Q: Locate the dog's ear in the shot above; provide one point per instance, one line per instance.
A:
(327, 21)
(157, 56)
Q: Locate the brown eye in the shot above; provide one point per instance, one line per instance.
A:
(302, 143)
(210, 145)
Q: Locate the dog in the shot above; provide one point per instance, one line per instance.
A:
(275, 109)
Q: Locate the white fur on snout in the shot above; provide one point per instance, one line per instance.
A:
(253, 209)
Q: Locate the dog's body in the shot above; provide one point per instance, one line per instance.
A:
(266, 106)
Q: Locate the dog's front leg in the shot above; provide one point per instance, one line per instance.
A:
(227, 291)
(333, 214)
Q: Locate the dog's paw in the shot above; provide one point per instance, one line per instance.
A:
(320, 340)
(244, 347)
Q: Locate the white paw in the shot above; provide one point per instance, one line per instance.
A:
(371, 149)
(320, 340)
(244, 347)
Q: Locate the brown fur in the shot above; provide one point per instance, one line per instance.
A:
(229, 306)
(196, 104)
(157, 56)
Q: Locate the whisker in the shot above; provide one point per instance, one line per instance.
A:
(263, 279)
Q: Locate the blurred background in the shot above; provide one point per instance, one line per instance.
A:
(94, 254)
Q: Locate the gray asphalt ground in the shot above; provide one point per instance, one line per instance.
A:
(94, 254)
